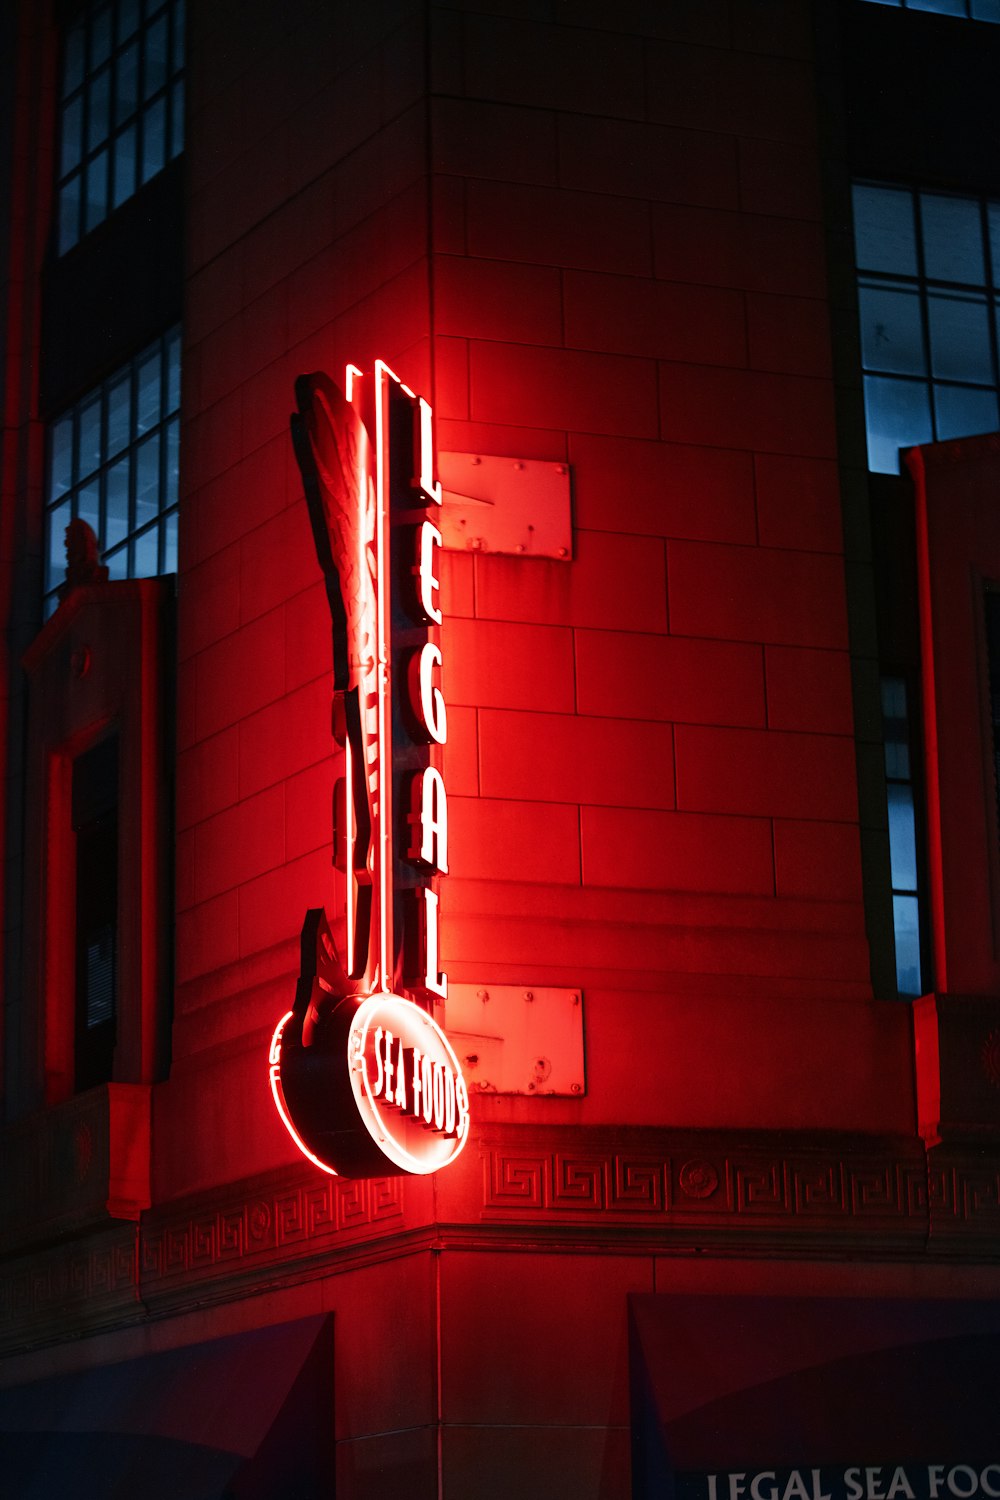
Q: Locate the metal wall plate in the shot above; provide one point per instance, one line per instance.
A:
(517, 1039)
(515, 506)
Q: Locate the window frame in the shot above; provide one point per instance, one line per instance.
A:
(95, 149)
(82, 490)
(931, 293)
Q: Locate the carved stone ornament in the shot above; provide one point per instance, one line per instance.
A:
(698, 1179)
(82, 565)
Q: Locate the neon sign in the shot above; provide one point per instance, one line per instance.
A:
(362, 1075)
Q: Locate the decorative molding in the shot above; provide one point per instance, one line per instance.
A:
(69, 1288)
(265, 1226)
(731, 1188)
(266, 1223)
(964, 1190)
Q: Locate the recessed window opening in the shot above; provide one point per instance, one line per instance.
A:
(929, 307)
(95, 826)
(121, 108)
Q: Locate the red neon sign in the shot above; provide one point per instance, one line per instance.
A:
(362, 1076)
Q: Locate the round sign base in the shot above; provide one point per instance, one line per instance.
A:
(376, 1090)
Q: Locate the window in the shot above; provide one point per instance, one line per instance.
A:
(121, 109)
(902, 836)
(113, 462)
(974, 10)
(929, 298)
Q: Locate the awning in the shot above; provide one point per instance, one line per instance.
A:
(787, 1398)
(250, 1415)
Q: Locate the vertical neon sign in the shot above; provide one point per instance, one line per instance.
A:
(366, 985)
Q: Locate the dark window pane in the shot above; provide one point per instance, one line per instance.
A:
(178, 54)
(960, 412)
(97, 190)
(173, 463)
(116, 498)
(147, 480)
(128, 18)
(155, 52)
(897, 759)
(117, 563)
(895, 728)
(902, 838)
(69, 214)
(100, 37)
(884, 230)
(72, 135)
(127, 93)
(891, 332)
(952, 235)
(99, 100)
(124, 166)
(148, 399)
(898, 416)
(173, 371)
(119, 416)
(960, 337)
(100, 1003)
(942, 7)
(170, 543)
(907, 926)
(146, 561)
(73, 60)
(993, 220)
(60, 458)
(986, 10)
(55, 568)
(90, 438)
(88, 506)
(153, 139)
(177, 118)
